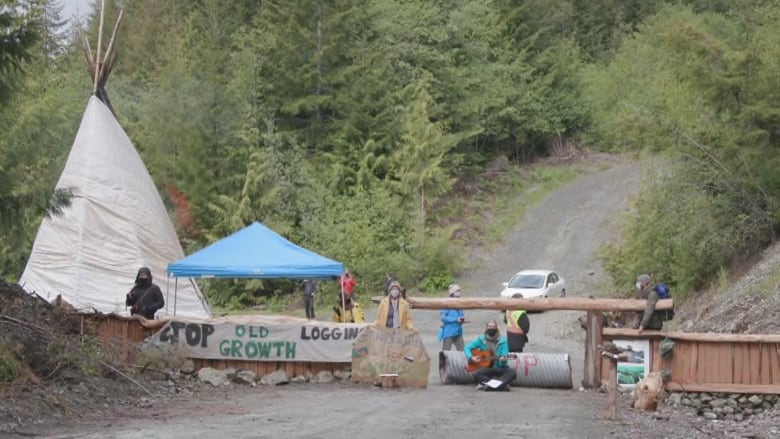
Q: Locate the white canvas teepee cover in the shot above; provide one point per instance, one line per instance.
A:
(116, 224)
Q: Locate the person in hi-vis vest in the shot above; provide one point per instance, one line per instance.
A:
(517, 327)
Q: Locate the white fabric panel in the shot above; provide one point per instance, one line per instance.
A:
(116, 224)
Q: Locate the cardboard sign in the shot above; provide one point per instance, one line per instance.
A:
(262, 339)
(378, 351)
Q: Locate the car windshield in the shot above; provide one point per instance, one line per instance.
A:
(527, 281)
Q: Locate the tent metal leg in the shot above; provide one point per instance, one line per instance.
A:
(175, 294)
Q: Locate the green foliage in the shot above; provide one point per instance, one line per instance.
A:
(694, 86)
(436, 282)
(10, 366)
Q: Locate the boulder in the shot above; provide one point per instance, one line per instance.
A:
(323, 377)
(275, 378)
(244, 376)
(216, 378)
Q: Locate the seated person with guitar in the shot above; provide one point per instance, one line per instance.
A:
(487, 359)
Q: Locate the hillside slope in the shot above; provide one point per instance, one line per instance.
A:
(751, 304)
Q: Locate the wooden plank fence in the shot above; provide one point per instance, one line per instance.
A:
(708, 362)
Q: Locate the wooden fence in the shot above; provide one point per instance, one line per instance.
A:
(708, 362)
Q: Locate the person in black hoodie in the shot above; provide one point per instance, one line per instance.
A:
(145, 298)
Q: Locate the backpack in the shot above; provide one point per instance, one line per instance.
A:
(664, 293)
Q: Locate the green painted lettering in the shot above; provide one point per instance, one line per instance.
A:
(264, 349)
(278, 345)
(250, 349)
(290, 348)
(224, 348)
(235, 348)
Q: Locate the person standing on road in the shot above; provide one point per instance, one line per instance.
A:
(650, 318)
(309, 289)
(517, 327)
(493, 354)
(394, 310)
(451, 330)
(145, 298)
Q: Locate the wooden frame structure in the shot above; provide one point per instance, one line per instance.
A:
(710, 362)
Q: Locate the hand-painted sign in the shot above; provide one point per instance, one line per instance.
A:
(379, 350)
(263, 341)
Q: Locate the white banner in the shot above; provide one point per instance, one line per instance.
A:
(265, 341)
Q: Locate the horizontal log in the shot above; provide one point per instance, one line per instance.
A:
(771, 389)
(708, 337)
(536, 304)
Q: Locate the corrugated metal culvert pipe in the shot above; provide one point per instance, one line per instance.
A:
(534, 369)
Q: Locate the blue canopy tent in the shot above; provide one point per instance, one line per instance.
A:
(254, 252)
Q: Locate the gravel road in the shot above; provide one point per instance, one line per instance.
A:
(562, 232)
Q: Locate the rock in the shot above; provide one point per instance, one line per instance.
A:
(323, 377)
(299, 379)
(705, 397)
(717, 410)
(675, 399)
(755, 400)
(728, 417)
(766, 405)
(686, 402)
(747, 411)
(244, 377)
(739, 417)
(696, 403)
(346, 376)
(717, 403)
(275, 378)
(709, 415)
(728, 410)
(732, 403)
(187, 367)
(734, 396)
(216, 378)
(742, 400)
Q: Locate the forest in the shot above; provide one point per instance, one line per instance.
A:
(348, 126)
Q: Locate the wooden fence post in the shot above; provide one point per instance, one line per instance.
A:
(592, 375)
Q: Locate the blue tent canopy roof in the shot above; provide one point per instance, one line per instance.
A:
(255, 252)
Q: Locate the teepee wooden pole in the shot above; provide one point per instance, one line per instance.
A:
(113, 35)
(99, 44)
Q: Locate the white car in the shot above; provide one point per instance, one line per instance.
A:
(535, 283)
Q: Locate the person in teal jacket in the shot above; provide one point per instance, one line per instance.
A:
(493, 360)
(451, 330)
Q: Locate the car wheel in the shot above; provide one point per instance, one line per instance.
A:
(563, 292)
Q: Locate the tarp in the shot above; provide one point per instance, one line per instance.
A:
(255, 252)
(116, 223)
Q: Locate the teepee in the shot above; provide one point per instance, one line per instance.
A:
(115, 224)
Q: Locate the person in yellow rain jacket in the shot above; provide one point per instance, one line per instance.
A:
(353, 314)
(394, 310)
